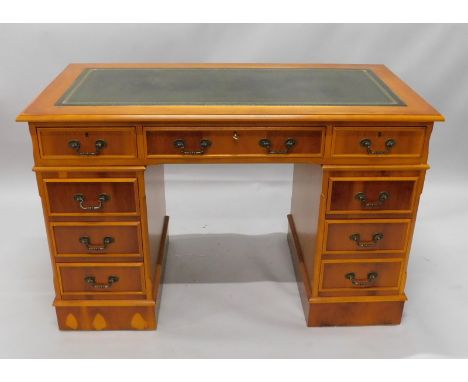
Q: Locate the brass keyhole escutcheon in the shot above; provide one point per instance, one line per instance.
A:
(235, 136)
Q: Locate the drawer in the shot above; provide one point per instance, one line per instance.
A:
(87, 143)
(91, 240)
(371, 195)
(383, 236)
(75, 197)
(178, 143)
(101, 279)
(377, 142)
(356, 275)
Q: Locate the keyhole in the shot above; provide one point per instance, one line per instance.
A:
(86, 135)
(379, 134)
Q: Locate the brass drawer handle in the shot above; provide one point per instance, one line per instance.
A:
(180, 144)
(376, 237)
(111, 280)
(101, 198)
(86, 241)
(362, 197)
(367, 143)
(371, 277)
(76, 145)
(288, 144)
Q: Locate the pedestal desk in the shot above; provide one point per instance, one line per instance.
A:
(357, 135)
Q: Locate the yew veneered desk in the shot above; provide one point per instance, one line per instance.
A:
(357, 135)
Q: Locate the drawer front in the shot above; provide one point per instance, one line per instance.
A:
(74, 197)
(366, 235)
(208, 143)
(101, 279)
(360, 274)
(87, 143)
(373, 142)
(371, 195)
(97, 239)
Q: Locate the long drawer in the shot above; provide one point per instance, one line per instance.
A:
(105, 196)
(202, 142)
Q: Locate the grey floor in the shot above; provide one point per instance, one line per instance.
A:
(235, 296)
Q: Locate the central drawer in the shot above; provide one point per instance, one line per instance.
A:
(106, 196)
(255, 142)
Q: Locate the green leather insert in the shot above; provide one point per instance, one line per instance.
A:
(228, 86)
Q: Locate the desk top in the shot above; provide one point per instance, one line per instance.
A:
(145, 92)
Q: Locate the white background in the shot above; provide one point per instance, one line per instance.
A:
(228, 295)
